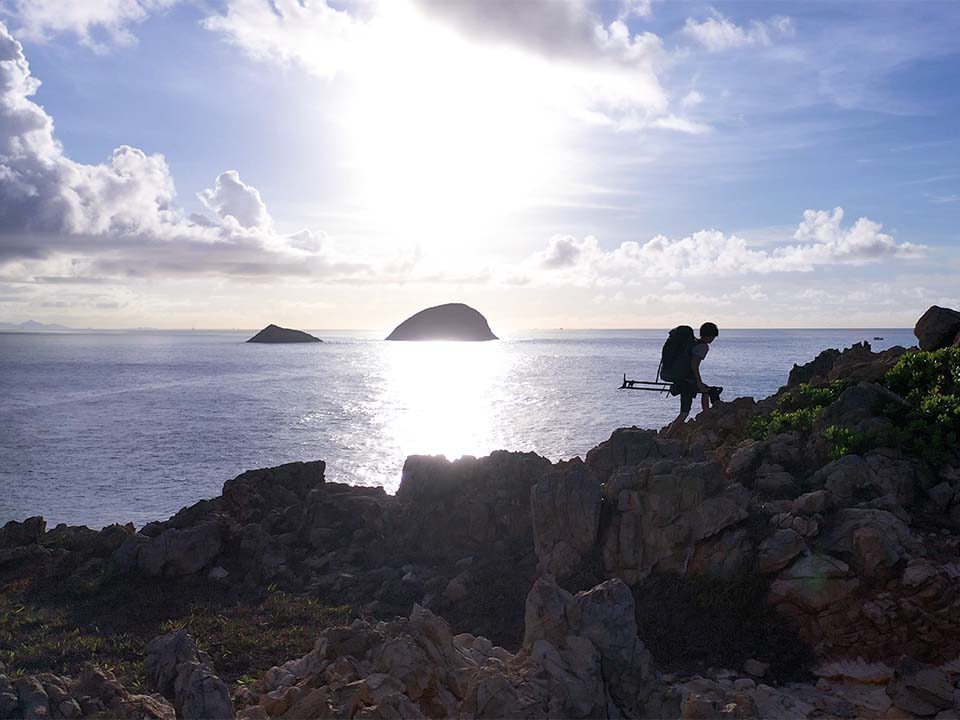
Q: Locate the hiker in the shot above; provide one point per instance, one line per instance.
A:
(685, 375)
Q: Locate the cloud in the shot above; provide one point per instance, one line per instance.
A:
(820, 240)
(60, 218)
(232, 198)
(42, 19)
(720, 33)
(581, 66)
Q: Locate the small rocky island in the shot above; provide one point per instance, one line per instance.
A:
(793, 557)
(276, 334)
(452, 321)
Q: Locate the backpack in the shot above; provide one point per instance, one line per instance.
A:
(675, 356)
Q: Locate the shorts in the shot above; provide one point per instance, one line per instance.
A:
(687, 390)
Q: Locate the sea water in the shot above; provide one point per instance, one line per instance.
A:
(98, 428)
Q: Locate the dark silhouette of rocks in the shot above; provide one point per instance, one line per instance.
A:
(453, 321)
(276, 334)
(938, 328)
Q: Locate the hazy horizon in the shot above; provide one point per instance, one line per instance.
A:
(588, 163)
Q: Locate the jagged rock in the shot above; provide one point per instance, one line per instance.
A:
(819, 367)
(452, 321)
(920, 688)
(276, 334)
(659, 522)
(466, 507)
(173, 553)
(249, 496)
(937, 328)
(874, 542)
(565, 509)
(28, 532)
(860, 408)
(630, 447)
(180, 672)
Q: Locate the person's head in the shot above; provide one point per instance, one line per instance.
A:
(708, 332)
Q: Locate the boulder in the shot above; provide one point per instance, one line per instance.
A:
(180, 672)
(275, 334)
(29, 532)
(779, 549)
(920, 688)
(937, 328)
(565, 509)
(859, 407)
(628, 447)
(453, 321)
(813, 583)
(173, 553)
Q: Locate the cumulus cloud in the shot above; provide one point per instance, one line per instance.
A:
(821, 239)
(718, 33)
(41, 19)
(233, 198)
(60, 218)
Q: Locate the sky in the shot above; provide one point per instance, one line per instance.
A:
(579, 164)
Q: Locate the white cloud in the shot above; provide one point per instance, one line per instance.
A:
(820, 240)
(581, 66)
(41, 19)
(692, 99)
(720, 33)
(63, 219)
(233, 198)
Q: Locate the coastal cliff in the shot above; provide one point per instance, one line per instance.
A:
(793, 557)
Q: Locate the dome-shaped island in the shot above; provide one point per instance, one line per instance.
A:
(276, 334)
(453, 321)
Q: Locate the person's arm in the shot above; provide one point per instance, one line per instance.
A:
(701, 386)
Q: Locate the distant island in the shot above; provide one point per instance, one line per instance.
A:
(452, 321)
(276, 334)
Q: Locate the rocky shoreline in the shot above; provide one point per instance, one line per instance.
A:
(794, 557)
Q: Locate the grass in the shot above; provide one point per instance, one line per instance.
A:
(42, 630)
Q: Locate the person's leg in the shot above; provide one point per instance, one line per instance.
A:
(687, 393)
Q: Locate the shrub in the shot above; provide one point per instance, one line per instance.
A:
(930, 382)
(811, 396)
(845, 441)
(764, 426)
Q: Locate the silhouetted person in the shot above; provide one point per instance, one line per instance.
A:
(690, 386)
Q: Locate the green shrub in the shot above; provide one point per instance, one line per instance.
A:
(845, 441)
(811, 396)
(929, 427)
(764, 426)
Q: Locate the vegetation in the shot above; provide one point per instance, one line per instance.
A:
(797, 409)
(930, 382)
(846, 442)
(59, 632)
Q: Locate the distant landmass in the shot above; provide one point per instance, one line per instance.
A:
(276, 334)
(33, 326)
(453, 321)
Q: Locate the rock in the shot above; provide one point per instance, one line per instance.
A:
(453, 321)
(819, 367)
(456, 589)
(175, 553)
(919, 688)
(275, 334)
(565, 510)
(755, 667)
(217, 573)
(33, 700)
(812, 503)
(875, 542)
(937, 328)
(858, 406)
(779, 549)
(180, 672)
(251, 495)
(813, 583)
(29, 532)
(452, 509)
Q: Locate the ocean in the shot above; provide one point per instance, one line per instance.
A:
(106, 427)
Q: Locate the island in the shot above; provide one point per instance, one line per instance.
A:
(276, 334)
(452, 321)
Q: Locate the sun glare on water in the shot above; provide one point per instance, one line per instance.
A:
(441, 397)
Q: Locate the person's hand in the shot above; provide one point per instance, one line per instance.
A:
(703, 387)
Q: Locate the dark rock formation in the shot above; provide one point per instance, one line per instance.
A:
(453, 321)
(276, 334)
(938, 328)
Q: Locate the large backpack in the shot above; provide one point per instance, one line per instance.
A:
(675, 356)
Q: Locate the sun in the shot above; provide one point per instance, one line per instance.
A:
(446, 135)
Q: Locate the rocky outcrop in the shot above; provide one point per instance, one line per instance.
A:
(453, 321)
(858, 363)
(183, 674)
(938, 328)
(565, 511)
(276, 334)
(95, 694)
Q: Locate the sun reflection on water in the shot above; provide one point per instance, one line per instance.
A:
(441, 396)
